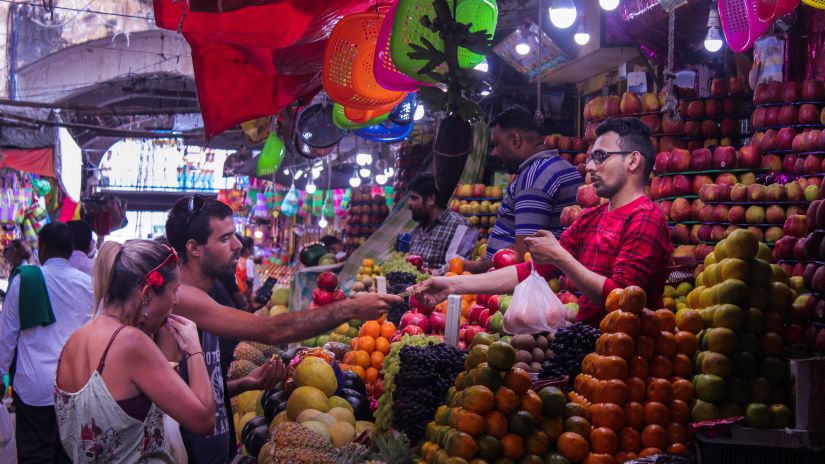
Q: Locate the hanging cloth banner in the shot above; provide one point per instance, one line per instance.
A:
(34, 160)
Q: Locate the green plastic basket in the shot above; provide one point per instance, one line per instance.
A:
(407, 29)
(340, 119)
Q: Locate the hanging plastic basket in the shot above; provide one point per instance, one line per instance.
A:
(348, 76)
(387, 132)
(315, 126)
(741, 23)
(407, 29)
(386, 73)
(404, 112)
(340, 119)
(818, 4)
(769, 10)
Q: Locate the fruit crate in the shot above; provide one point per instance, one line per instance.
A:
(754, 453)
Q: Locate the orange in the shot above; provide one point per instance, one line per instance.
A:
(371, 328)
(645, 346)
(471, 423)
(656, 413)
(686, 342)
(676, 433)
(531, 403)
(608, 415)
(649, 452)
(633, 299)
(512, 446)
(465, 308)
(650, 323)
(538, 443)
(456, 265)
(371, 375)
(362, 359)
(634, 415)
(682, 367)
(479, 398)
(518, 380)
(660, 390)
(349, 357)
(683, 390)
(679, 411)
(638, 366)
(613, 391)
(654, 436)
(630, 440)
(604, 440)
(506, 400)
(617, 344)
(387, 330)
(496, 424)
(572, 446)
(628, 323)
(553, 428)
(667, 319)
(666, 344)
(691, 321)
(354, 344)
(611, 367)
(660, 366)
(377, 360)
(636, 388)
(450, 274)
(676, 448)
(612, 302)
(461, 445)
(382, 345)
(359, 371)
(366, 343)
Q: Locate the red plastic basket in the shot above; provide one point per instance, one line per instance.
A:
(348, 76)
(741, 23)
(769, 10)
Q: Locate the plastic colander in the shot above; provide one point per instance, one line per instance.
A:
(819, 4)
(348, 76)
(340, 119)
(385, 71)
(407, 29)
(741, 23)
(769, 10)
(388, 132)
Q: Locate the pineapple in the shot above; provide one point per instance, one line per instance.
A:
(301, 456)
(267, 350)
(353, 453)
(294, 435)
(393, 447)
(247, 352)
(240, 368)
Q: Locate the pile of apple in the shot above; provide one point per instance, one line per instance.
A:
(565, 143)
(785, 112)
(365, 214)
(644, 106)
(327, 291)
(707, 159)
(479, 203)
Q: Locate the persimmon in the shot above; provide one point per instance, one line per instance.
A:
(666, 344)
(611, 367)
(608, 415)
(604, 440)
(618, 344)
(612, 391)
(645, 346)
(633, 299)
(654, 436)
(624, 456)
(370, 328)
(638, 366)
(650, 323)
(537, 443)
(683, 390)
(371, 375)
(686, 342)
(649, 452)
(660, 366)
(377, 360)
(572, 446)
(656, 413)
(387, 330)
(634, 415)
(531, 403)
(611, 303)
(667, 319)
(608, 323)
(682, 367)
(676, 433)
(679, 411)
(589, 363)
(637, 389)
(659, 390)
(676, 448)
(630, 439)
(599, 458)
(628, 323)
(496, 424)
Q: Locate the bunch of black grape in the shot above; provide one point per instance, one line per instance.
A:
(398, 282)
(424, 376)
(570, 345)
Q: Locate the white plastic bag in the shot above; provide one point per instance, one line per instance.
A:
(534, 308)
(6, 427)
(174, 440)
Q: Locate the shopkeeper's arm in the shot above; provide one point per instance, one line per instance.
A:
(435, 290)
(198, 306)
(545, 249)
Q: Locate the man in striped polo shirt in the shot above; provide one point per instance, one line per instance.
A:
(544, 184)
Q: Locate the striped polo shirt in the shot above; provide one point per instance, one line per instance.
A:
(544, 185)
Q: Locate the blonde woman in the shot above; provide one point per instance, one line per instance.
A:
(113, 380)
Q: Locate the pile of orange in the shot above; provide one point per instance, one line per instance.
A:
(366, 358)
(636, 387)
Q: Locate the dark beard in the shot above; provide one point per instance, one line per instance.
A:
(418, 217)
(215, 270)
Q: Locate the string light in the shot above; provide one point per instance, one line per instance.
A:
(523, 48)
(365, 172)
(581, 37)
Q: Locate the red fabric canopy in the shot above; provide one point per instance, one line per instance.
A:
(254, 61)
(34, 160)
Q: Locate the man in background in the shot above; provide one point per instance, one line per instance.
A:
(82, 246)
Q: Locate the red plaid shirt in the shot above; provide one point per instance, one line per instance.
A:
(629, 246)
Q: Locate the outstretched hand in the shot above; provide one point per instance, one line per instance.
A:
(432, 291)
(266, 376)
(544, 248)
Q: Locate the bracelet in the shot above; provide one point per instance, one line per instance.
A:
(189, 355)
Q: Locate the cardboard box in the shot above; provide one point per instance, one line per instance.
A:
(808, 396)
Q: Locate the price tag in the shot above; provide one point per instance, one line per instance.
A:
(453, 320)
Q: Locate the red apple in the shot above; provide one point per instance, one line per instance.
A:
(799, 166)
(707, 214)
(650, 102)
(709, 128)
(788, 115)
(327, 281)
(679, 160)
(680, 233)
(579, 144)
(653, 122)
(695, 145)
(727, 178)
(756, 140)
(769, 140)
(696, 109)
(775, 214)
(730, 107)
(772, 163)
(704, 232)
(791, 92)
(698, 182)
(736, 86)
(680, 210)
(748, 157)
(666, 187)
(784, 247)
(789, 162)
(796, 225)
(586, 196)
(784, 138)
(701, 160)
(774, 92)
(662, 162)
(612, 106)
(729, 127)
(713, 108)
(776, 192)
(757, 193)
(808, 114)
(552, 141)
(755, 215)
(811, 164)
(654, 188)
(760, 95)
(676, 127)
(669, 143)
(772, 116)
(505, 257)
(736, 214)
(707, 192)
(717, 233)
(683, 109)
(720, 213)
(681, 185)
(692, 128)
(630, 103)
(758, 118)
(813, 90)
(719, 87)
(696, 209)
(724, 158)
(665, 207)
(800, 143)
(799, 249)
(723, 192)
(812, 139)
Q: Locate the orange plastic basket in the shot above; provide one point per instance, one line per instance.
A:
(360, 116)
(348, 76)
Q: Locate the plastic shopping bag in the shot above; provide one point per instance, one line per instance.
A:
(174, 440)
(6, 426)
(534, 308)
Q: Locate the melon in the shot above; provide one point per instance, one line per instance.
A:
(342, 415)
(315, 372)
(318, 428)
(341, 433)
(304, 398)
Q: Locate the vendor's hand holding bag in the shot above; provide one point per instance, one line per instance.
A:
(534, 307)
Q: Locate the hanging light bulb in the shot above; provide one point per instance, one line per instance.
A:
(581, 37)
(713, 41)
(311, 188)
(523, 48)
(485, 92)
(483, 66)
(355, 181)
(322, 222)
(365, 172)
(286, 171)
(258, 234)
(316, 172)
(381, 179)
(609, 5)
(562, 13)
(419, 112)
(363, 159)
(389, 172)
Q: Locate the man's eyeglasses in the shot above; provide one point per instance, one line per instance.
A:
(600, 156)
(196, 205)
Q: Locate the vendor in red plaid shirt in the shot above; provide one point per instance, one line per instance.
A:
(624, 242)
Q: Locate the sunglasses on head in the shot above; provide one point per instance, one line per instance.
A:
(171, 258)
(195, 207)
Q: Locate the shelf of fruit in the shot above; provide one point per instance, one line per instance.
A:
(364, 215)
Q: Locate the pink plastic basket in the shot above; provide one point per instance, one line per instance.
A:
(385, 71)
(741, 23)
(769, 10)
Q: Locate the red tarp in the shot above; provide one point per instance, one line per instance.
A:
(254, 61)
(34, 160)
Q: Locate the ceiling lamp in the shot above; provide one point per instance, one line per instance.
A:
(713, 41)
(581, 37)
(562, 13)
(355, 181)
(363, 159)
(311, 188)
(523, 48)
(322, 222)
(483, 66)
(609, 5)
(381, 179)
(419, 112)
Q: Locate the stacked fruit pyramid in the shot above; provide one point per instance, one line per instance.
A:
(491, 413)
(636, 386)
(368, 349)
(743, 302)
(479, 203)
